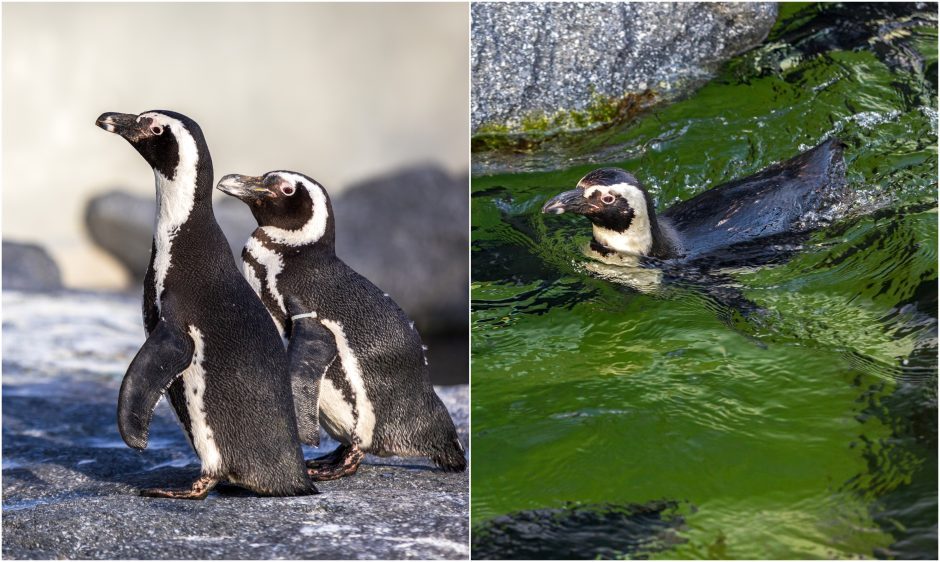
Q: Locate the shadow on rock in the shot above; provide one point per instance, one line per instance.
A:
(75, 446)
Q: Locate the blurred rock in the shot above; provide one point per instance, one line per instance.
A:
(122, 224)
(406, 232)
(27, 267)
(533, 60)
(70, 485)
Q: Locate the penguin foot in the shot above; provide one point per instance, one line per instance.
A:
(344, 461)
(198, 491)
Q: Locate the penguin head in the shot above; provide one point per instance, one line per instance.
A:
(291, 208)
(616, 204)
(164, 138)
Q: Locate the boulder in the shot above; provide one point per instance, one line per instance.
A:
(533, 63)
(28, 267)
(122, 224)
(408, 233)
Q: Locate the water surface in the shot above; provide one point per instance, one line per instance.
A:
(809, 430)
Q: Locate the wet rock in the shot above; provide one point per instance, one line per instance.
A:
(531, 61)
(580, 532)
(70, 483)
(28, 267)
(887, 29)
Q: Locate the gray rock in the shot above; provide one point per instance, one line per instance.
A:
(122, 224)
(578, 531)
(541, 58)
(70, 484)
(406, 232)
(28, 267)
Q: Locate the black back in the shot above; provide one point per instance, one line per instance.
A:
(782, 199)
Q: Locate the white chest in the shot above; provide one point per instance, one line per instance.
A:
(638, 239)
(194, 388)
(272, 264)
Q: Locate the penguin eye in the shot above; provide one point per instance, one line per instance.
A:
(287, 190)
(156, 129)
(607, 199)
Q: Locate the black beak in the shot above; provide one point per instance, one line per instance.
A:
(570, 201)
(123, 124)
(246, 188)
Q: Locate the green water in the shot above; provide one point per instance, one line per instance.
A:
(810, 432)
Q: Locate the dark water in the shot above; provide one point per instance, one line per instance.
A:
(808, 430)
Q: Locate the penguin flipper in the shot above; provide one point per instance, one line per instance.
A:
(311, 351)
(163, 357)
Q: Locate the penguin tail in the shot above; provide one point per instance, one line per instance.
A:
(450, 458)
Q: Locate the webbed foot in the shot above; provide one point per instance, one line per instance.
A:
(198, 491)
(344, 461)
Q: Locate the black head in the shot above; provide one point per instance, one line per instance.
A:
(161, 137)
(609, 197)
(617, 205)
(291, 208)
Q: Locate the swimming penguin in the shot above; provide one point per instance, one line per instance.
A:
(210, 342)
(376, 397)
(785, 198)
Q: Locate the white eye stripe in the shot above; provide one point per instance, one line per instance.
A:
(624, 190)
(158, 119)
(633, 195)
(315, 227)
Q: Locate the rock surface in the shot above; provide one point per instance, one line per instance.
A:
(69, 482)
(406, 232)
(27, 267)
(581, 532)
(541, 58)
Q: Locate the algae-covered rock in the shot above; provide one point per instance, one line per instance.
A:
(571, 65)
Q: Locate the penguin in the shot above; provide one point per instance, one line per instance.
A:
(211, 345)
(790, 197)
(376, 397)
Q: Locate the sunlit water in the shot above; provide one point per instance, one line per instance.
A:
(808, 429)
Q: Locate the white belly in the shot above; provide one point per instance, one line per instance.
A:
(194, 388)
(336, 412)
